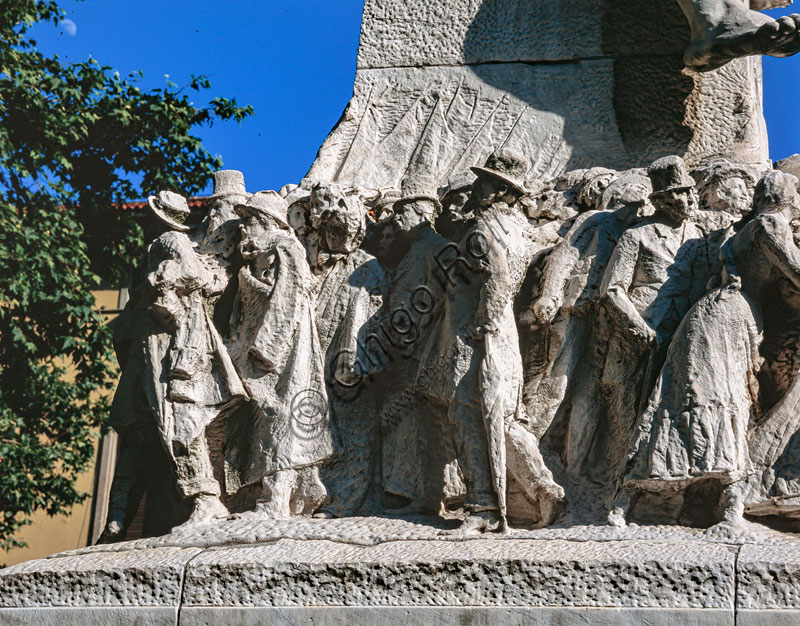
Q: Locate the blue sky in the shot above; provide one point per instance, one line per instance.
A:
(293, 60)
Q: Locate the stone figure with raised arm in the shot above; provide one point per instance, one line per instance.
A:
(283, 434)
(477, 352)
(723, 30)
(657, 271)
(177, 376)
(693, 437)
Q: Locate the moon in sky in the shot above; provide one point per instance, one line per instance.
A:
(69, 27)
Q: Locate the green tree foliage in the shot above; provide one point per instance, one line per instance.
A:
(75, 140)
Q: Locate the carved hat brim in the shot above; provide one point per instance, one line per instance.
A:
(414, 198)
(516, 184)
(661, 192)
(162, 216)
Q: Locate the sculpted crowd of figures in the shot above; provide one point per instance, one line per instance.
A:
(605, 347)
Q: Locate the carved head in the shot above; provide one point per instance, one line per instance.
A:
(725, 186)
(338, 219)
(595, 181)
(263, 213)
(501, 179)
(673, 194)
(455, 195)
(776, 192)
(418, 203)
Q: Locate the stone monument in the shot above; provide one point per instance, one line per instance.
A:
(521, 348)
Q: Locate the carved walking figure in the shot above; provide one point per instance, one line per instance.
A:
(283, 435)
(177, 376)
(694, 432)
(478, 355)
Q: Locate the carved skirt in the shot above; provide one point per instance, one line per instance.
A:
(695, 424)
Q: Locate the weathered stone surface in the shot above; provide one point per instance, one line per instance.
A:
(452, 616)
(768, 577)
(475, 573)
(599, 78)
(150, 578)
(92, 616)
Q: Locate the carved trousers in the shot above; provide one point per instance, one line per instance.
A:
(465, 416)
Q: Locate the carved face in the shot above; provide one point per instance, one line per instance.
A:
(456, 201)
(729, 194)
(677, 204)
(409, 215)
(250, 231)
(486, 191)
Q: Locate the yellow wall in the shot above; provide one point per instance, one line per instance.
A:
(48, 535)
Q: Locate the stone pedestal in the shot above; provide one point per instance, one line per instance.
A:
(351, 572)
(440, 85)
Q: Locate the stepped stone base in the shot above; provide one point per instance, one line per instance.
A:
(349, 572)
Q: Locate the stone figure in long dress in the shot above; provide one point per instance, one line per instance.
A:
(284, 434)
(349, 286)
(657, 271)
(567, 390)
(694, 431)
(476, 357)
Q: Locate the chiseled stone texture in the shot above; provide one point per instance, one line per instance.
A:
(440, 85)
(769, 577)
(350, 572)
(136, 578)
(473, 573)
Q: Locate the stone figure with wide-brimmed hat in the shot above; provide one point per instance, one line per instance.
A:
(177, 376)
(283, 434)
(473, 363)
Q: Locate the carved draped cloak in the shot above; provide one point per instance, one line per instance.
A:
(275, 346)
(696, 423)
(349, 293)
(176, 363)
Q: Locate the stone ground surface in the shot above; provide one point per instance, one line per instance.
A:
(249, 571)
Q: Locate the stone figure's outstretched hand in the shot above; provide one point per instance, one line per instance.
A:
(723, 30)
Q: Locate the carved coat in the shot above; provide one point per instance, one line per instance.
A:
(511, 244)
(176, 357)
(274, 345)
(349, 290)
